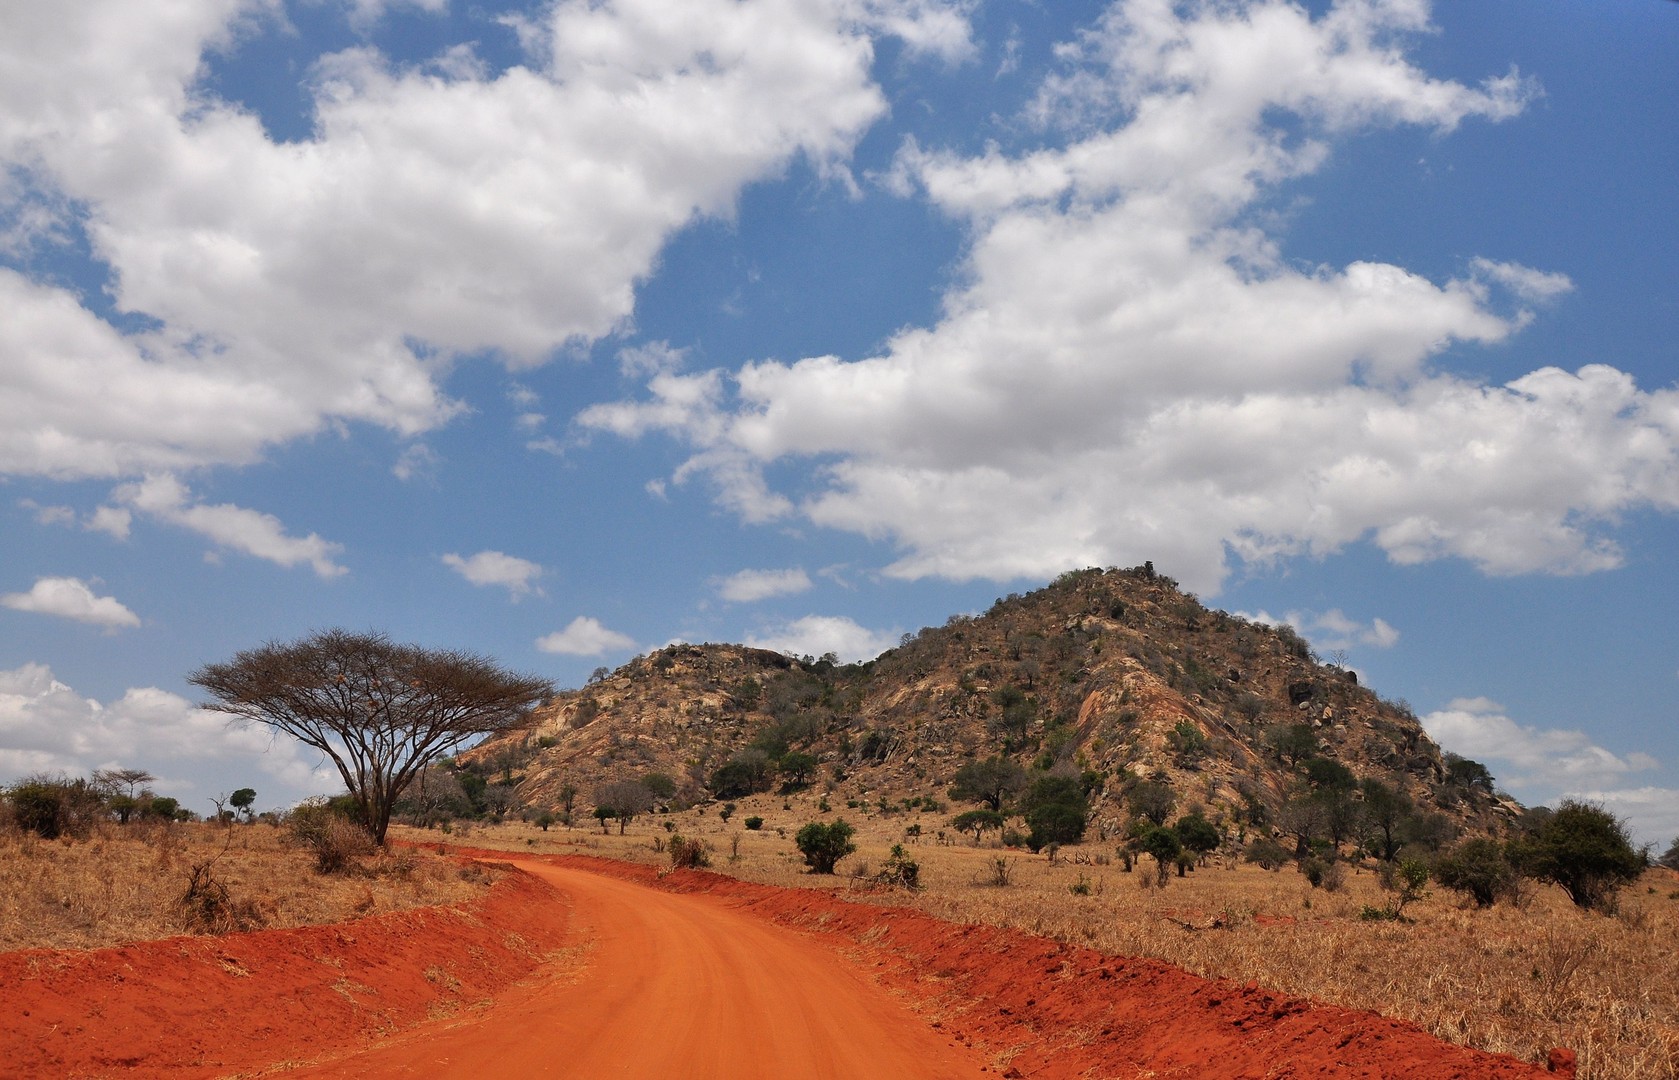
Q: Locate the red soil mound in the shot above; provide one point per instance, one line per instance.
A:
(167, 1008)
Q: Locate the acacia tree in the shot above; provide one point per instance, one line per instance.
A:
(992, 782)
(625, 800)
(378, 710)
(122, 803)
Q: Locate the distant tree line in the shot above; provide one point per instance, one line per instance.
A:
(53, 805)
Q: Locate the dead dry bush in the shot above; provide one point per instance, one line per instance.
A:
(135, 882)
(1512, 978)
(209, 907)
(336, 842)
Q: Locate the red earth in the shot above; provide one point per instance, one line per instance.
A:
(579, 967)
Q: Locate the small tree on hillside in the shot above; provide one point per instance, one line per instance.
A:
(662, 785)
(978, 822)
(1165, 845)
(1670, 859)
(1302, 817)
(379, 711)
(242, 801)
(797, 767)
(1385, 811)
(1292, 742)
(1198, 834)
(1463, 772)
(625, 800)
(1015, 714)
(1151, 800)
(824, 845)
(1056, 811)
(992, 781)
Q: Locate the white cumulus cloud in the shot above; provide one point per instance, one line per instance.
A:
(1332, 630)
(585, 636)
(748, 586)
(818, 635)
(435, 210)
(1129, 367)
(166, 499)
(518, 576)
(45, 726)
(72, 598)
(1527, 759)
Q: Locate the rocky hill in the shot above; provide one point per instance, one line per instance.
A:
(1116, 676)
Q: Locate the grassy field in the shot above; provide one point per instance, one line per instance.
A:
(130, 883)
(1512, 979)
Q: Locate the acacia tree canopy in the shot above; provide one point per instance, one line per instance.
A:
(992, 781)
(379, 710)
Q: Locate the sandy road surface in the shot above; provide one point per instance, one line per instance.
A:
(670, 985)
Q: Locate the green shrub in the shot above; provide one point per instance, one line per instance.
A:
(1479, 869)
(754, 823)
(54, 806)
(824, 845)
(1406, 879)
(1586, 850)
(1267, 853)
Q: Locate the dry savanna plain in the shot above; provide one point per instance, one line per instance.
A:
(81, 921)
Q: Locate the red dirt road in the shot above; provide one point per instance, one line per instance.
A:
(584, 967)
(677, 986)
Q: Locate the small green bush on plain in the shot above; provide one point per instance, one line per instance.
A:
(1480, 870)
(824, 845)
(1586, 850)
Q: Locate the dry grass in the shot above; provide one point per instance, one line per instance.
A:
(1516, 980)
(127, 883)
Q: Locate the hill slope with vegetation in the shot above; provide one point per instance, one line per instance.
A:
(1117, 684)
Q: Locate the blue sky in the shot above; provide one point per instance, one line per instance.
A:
(560, 331)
